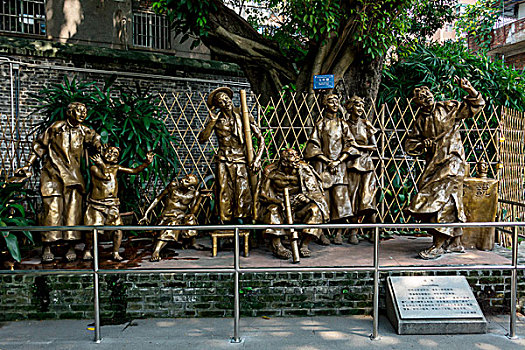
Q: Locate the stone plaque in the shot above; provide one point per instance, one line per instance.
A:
(433, 305)
(434, 297)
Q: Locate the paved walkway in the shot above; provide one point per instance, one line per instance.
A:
(313, 333)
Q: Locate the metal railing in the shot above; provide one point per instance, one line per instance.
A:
(376, 268)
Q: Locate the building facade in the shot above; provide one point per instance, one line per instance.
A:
(116, 24)
(508, 40)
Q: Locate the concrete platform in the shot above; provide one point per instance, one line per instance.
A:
(400, 251)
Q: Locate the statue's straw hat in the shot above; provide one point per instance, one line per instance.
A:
(212, 94)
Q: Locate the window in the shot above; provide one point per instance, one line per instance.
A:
(23, 16)
(150, 30)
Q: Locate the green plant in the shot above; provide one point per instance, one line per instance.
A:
(124, 117)
(435, 65)
(13, 213)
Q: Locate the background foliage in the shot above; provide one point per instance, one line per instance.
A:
(284, 43)
(435, 65)
(478, 19)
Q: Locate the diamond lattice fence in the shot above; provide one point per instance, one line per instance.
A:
(512, 151)
(287, 122)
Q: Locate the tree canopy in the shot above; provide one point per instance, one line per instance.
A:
(285, 43)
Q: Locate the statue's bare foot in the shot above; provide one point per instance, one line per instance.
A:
(353, 239)
(323, 240)
(453, 245)
(116, 256)
(338, 238)
(198, 246)
(455, 249)
(281, 252)
(47, 256)
(431, 253)
(305, 252)
(87, 255)
(155, 256)
(71, 255)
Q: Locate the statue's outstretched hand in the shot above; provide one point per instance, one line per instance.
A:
(428, 143)
(256, 165)
(97, 159)
(465, 84)
(24, 171)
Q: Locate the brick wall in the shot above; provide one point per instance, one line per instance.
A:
(516, 61)
(125, 297)
(502, 42)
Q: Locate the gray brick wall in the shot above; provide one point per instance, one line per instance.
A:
(32, 79)
(125, 297)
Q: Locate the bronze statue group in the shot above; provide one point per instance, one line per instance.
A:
(335, 182)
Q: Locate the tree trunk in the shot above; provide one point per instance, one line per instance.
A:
(233, 39)
(362, 79)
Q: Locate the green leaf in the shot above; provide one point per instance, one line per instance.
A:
(12, 246)
(104, 136)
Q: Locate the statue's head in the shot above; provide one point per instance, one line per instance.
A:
(482, 169)
(289, 158)
(221, 98)
(111, 154)
(355, 106)
(423, 97)
(189, 180)
(76, 113)
(331, 103)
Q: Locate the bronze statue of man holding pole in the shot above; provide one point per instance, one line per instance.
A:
(235, 154)
(291, 192)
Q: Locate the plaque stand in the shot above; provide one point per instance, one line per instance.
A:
(433, 305)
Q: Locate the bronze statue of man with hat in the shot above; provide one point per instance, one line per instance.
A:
(234, 195)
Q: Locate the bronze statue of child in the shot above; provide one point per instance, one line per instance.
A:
(103, 202)
(182, 203)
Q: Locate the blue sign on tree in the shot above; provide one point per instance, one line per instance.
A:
(323, 81)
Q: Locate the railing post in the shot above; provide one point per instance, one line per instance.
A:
(237, 301)
(96, 300)
(514, 278)
(375, 329)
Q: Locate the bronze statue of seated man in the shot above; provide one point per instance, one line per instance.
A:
(306, 197)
